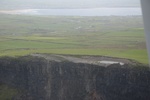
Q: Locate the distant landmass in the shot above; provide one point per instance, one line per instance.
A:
(48, 4)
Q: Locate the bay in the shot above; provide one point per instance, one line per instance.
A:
(80, 12)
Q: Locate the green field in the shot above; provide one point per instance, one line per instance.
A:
(109, 36)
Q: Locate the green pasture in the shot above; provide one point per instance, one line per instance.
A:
(109, 36)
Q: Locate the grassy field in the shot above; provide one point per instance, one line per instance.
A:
(109, 36)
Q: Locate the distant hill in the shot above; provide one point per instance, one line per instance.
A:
(37, 4)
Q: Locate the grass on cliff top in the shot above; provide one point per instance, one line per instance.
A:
(7, 93)
(138, 55)
(108, 36)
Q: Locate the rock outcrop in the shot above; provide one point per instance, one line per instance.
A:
(56, 78)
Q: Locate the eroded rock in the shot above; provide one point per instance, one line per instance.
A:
(63, 77)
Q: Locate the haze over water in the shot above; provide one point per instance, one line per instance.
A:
(79, 12)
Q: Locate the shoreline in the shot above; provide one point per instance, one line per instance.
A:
(78, 12)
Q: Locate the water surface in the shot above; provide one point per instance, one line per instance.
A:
(79, 12)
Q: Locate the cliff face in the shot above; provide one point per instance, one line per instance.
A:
(43, 79)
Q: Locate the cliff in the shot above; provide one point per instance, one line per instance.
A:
(57, 77)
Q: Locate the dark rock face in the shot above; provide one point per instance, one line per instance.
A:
(41, 79)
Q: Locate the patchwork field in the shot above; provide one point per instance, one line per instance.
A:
(108, 36)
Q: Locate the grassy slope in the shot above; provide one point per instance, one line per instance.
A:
(110, 36)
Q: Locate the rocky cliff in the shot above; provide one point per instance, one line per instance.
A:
(58, 78)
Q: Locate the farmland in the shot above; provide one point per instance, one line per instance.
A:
(108, 36)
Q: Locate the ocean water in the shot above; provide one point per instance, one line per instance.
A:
(80, 12)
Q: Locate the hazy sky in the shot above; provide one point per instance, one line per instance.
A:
(67, 3)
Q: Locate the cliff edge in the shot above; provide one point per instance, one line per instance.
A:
(66, 77)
